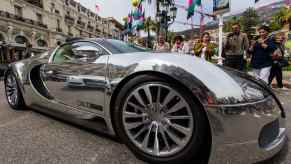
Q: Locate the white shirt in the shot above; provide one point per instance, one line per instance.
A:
(203, 53)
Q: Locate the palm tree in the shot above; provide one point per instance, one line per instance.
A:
(149, 25)
(157, 5)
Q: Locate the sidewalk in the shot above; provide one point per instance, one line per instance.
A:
(286, 79)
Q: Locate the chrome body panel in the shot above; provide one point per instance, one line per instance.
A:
(203, 79)
(236, 130)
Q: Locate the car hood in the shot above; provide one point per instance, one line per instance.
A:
(226, 85)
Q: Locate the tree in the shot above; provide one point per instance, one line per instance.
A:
(149, 25)
(275, 26)
(249, 21)
(283, 18)
(228, 24)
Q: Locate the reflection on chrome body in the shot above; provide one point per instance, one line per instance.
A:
(237, 109)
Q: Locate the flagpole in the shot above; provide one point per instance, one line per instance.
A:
(220, 59)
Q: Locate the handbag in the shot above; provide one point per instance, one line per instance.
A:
(283, 62)
(278, 58)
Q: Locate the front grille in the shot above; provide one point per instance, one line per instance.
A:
(269, 133)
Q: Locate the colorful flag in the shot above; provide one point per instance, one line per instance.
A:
(97, 8)
(191, 7)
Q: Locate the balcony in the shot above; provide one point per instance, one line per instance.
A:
(90, 28)
(37, 3)
(81, 24)
(73, 3)
(21, 19)
(69, 20)
(40, 24)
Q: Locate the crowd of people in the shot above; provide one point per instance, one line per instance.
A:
(265, 53)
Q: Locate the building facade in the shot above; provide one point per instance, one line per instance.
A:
(44, 23)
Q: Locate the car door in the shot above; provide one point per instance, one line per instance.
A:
(76, 75)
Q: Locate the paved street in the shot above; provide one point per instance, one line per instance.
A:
(28, 137)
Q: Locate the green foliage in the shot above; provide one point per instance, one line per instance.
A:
(150, 25)
(281, 18)
(249, 21)
(275, 26)
(228, 24)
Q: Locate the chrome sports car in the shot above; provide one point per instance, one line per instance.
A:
(166, 108)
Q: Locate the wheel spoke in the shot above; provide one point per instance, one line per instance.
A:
(148, 94)
(10, 93)
(133, 115)
(179, 117)
(133, 125)
(140, 131)
(176, 107)
(156, 144)
(169, 97)
(139, 98)
(174, 138)
(145, 141)
(180, 128)
(158, 95)
(137, 107)
(162, 130)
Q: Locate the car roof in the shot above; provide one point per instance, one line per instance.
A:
(76, 39)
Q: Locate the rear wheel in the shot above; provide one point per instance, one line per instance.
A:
(13, 93)
(159, 121)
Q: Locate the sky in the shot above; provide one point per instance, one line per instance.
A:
(120, 8)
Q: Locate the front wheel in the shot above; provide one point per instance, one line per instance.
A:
(159, 121)
(13, 93)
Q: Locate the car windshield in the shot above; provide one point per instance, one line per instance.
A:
(119, 47)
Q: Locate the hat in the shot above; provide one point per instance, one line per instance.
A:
(180, 37)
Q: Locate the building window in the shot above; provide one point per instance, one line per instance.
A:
(20, 39)
(2, 37)
(41, 43)
(69, 30)
(35, 2)
(59, 26)
(58, 23)
(18, 10)
(52, 7)
(39, 17)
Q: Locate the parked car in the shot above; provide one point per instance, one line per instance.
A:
(167, 108)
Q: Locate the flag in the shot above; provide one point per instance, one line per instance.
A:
(191, 7)
(97, 8)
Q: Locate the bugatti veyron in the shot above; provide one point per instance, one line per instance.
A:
(167, 108)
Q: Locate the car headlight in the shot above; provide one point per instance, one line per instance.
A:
(252, 92)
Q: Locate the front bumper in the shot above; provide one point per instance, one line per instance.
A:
(246, 133)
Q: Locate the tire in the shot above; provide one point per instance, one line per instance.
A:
(160, 121)
(12, 91)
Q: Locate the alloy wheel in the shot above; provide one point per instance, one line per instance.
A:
(11, 89)
(157, 119)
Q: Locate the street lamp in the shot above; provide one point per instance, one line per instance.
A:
(167, 15)
(173, 12)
